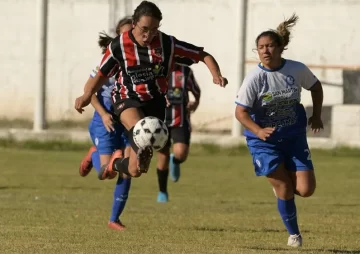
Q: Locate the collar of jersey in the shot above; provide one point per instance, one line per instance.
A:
(132, 38)
(261, 66)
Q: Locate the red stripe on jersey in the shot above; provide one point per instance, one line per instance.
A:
(106, 57)
(123, 91)
(132, 59)
(156, 50)
(178, 77)
(189, 53)
(129, 50)
(177, 110)
(156, 56)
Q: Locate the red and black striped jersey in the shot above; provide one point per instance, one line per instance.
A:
(143, 72)
(181, 82)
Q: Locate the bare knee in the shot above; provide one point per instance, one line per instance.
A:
(133, 169)
(181, 151)
(284, 190)
(306, 191)
(181, 156)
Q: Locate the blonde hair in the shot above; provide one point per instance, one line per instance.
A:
(281, 35)
(284, 28)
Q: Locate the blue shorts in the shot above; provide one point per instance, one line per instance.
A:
(107, 142)
(294, 152)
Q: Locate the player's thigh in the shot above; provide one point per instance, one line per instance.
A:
(155, 107)
(266, 157)
(129, 112)
(181, 141)
(281, 182)
(102, 139)
(297, 154)
(304, 182)
(299, 163)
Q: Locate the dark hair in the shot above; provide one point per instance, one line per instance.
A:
(105, 39)
(146, 8)
(281, 35)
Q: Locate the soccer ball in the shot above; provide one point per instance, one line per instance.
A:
(150, 131)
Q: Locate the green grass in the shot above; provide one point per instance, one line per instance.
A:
(218, 206)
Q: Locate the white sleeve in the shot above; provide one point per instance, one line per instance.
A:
(246, 95)
(94, 71)
(308, 79)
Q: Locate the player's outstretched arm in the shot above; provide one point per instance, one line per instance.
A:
(214, 69)
(91, 87)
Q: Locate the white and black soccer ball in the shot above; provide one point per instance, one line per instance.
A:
(150, 131)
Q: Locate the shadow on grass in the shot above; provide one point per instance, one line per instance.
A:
(233, 230)
(335, 251)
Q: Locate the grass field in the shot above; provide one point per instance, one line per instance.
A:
(218, 206)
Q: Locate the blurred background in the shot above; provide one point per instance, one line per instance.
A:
(48, 48)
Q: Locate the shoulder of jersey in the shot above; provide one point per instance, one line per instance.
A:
(295, 64)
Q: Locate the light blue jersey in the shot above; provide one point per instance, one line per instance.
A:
(273, 98)
(104, 94)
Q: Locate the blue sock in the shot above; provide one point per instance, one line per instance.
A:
(287, 210)
(121, 193)
(95, 157)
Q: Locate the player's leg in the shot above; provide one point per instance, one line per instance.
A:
(88, 162)
(163, 172)
(300, 166)
(269, 161)
(181, 143)
(130, 113)
(121, 191)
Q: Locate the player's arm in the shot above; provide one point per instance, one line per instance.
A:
(194, 88)
(108, 68)
(194, 54)
(244, 102)
(310, 82)
(317, 96)
(105, 116)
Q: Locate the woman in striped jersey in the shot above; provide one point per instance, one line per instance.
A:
(177, 118)
(143, 58)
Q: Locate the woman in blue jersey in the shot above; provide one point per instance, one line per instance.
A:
(268, 106)
(107, 136)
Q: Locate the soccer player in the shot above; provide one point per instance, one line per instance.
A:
(143, 58)
(177, 118)
(107, 135)
(268, 106)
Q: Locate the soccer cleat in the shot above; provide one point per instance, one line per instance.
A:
(295, 241)
(144, 156)
(116, 225)
(162, 197)
(106, 171)
(174, 169)
(86, 164)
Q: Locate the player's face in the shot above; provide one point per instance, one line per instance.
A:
(269, 52)
(145, 30)
(125, 28)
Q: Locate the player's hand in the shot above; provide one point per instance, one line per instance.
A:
(265, 133)
(108, 122)
(316, 124)
(82, 102)
(192, 106)
(221, 81)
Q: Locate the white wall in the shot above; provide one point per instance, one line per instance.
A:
(326, 34)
